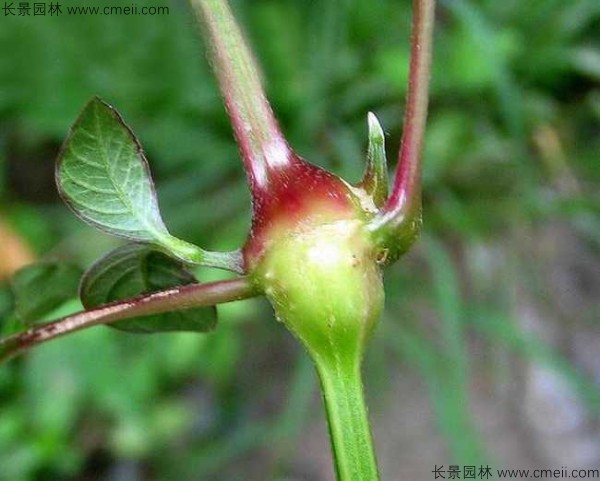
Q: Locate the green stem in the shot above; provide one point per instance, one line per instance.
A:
(349, 427)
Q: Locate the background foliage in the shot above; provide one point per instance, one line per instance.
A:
(492, 318)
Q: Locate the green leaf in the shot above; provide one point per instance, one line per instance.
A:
(40, 288)
(104, 177)
(135, 269)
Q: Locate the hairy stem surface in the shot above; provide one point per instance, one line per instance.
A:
(184, 297)
(349, 427)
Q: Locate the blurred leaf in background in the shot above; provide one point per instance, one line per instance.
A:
(488, 349)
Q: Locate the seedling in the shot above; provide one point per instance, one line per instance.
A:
(316, 248)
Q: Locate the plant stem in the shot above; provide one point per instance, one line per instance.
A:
(262, 144)
(404, 204)
(349, 427)
(178, 298)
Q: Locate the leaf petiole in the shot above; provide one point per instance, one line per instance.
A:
(192, 254)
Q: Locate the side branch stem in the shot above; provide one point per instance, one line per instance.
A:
(405, 200)
(184, 297)
(262, 144)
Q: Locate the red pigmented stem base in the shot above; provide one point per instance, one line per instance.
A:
(285, 189)
(301, 194)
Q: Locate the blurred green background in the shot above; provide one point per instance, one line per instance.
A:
(488, 348)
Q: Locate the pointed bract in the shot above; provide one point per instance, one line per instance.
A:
(375, 178)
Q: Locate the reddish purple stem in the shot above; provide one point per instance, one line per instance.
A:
(263, 146)
(178, 298)
(406, 192)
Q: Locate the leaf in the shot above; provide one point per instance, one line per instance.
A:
(40, 288)
(104, 177)
(135, 269)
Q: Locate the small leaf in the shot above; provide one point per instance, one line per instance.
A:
(104, 177)
(41, 288)
(375, 179)
(135, 269)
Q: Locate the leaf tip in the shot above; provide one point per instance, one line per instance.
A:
(375, 130)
